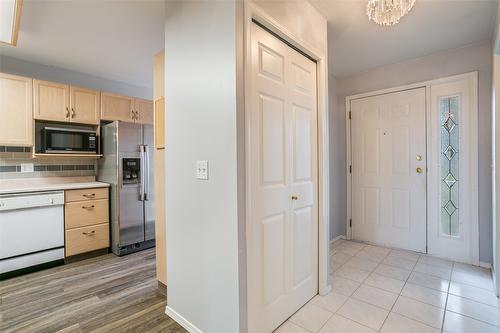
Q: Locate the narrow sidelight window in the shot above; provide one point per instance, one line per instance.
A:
(449, 161)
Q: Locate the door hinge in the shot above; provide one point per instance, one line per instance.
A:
(350, 168)
(350, 115)
(350, 223)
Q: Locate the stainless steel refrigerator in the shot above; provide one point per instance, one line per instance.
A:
(128, 167)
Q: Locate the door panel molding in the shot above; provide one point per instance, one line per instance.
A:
(388, 131)
(472, 168)
(252, 12)
(282, 238)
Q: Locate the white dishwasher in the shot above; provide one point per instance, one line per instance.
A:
(31, 231)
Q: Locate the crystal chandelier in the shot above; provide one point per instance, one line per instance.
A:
(388, 12)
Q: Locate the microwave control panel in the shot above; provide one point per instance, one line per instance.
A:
(92, 140)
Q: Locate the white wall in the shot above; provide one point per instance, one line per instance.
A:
(496, 152)
(204, 120)
(496, 171)
(441, 64)
(300, 18)
(336, 126)
(50, 73)
(201, 215)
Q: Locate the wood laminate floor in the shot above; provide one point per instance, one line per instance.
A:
(102, 294)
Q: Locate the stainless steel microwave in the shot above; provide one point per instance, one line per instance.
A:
(68, 141)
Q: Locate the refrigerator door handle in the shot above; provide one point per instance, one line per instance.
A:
(142, 180)
(147, 172)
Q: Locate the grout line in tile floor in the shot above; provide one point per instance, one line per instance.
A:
(452, 269)
(399, 295)
(400, 292)
(410, 266)
(447, 295)
(349, 297)
(360, 285)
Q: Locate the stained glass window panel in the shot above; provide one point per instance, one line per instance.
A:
(449, 161)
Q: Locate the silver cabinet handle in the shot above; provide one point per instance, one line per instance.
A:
(72, 112)
(67, 112)
(89, 196)
(88, 233)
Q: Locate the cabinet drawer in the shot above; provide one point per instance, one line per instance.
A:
(84, 213)
(85, 239)
(87, 194)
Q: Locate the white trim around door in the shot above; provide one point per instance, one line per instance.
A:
(253, 12)
(452, 164)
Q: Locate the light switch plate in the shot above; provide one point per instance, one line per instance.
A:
(27, 167)
(202, 169)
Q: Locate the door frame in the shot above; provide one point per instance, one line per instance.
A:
(473, 118)
(254, 12)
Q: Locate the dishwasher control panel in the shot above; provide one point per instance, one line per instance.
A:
(30, 200)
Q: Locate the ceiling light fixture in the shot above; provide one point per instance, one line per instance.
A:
(388, 12)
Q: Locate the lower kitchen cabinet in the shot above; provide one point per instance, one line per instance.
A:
(86, 221)
(86, 239)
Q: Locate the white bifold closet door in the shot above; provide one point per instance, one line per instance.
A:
(282, 231)
(389, 169)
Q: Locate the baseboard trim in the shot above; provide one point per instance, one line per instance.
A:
(181, 320)
(337, 238)
(495, 281)
(485, 264)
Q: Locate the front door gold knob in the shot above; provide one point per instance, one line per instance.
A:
(294, 197)
(419, 170)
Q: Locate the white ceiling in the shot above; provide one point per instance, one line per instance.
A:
(356, 44)
(116, 39)
(113, 39)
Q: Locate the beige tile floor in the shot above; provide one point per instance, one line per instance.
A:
(376, 289)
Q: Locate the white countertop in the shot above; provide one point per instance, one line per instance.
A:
(21, 185)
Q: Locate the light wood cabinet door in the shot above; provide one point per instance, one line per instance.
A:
(116, 107)
(86, 239)
(84, 213)
(144, 113)
(16, 110)
(51, 101)
(86, 194)
(159, 122)
(84, 105)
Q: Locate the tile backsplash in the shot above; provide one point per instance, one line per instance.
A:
(11, 159)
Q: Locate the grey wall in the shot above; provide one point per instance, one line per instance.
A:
(338, 187)
(201, 124)
(56, 74)
(441, 64)
(496, 152)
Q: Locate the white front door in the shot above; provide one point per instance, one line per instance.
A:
(282, 231)
(453, 177)
(388, 144)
